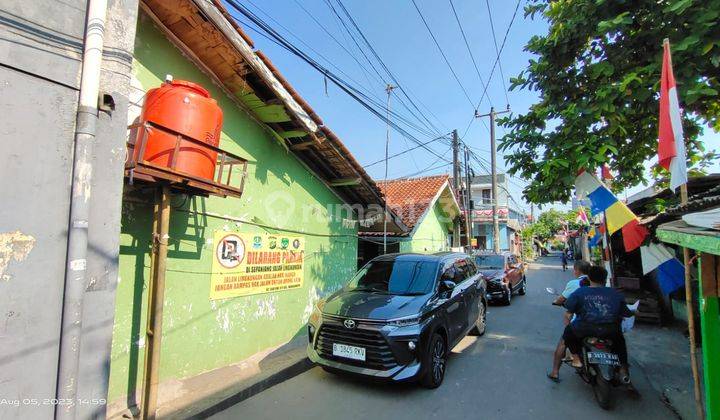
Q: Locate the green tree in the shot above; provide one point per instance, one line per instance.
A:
(548, 224)
(597, 73)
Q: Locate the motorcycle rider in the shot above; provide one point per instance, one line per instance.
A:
(580, 270)
(599, 312)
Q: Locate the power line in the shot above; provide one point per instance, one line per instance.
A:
(497, 51)
(375, 102)
(497, 60)
(430, 167)
(404, 151)
(372, 50)
(437, 44)
(382, 63)
(480, 161)
(353, 92)
(467, 45)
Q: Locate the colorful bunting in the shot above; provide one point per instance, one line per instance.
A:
(670, 272)
(617, 214)
(595, 237)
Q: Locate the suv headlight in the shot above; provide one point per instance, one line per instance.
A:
(405, 321)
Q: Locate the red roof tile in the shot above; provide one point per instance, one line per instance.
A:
(410, 198)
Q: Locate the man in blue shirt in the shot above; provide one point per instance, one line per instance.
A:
(580, 270)
(598, 311)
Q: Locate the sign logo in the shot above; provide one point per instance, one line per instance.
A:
(349, 324)
(230, 251)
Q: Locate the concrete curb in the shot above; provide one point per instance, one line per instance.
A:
(283, 375)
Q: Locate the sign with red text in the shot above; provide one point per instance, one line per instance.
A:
(248, 264)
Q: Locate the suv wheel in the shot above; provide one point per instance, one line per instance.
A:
(523, 289)
(481, 322)
(435, 362)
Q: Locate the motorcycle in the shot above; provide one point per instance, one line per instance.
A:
(601, 366)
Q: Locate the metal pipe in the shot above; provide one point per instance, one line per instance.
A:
(76, 262)
(156, 299)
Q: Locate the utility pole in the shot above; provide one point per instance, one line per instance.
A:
(468, 197)
(456, 182)
(493, 160)
(388, 89)
(532, 212)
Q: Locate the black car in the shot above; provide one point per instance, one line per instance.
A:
(398, 317)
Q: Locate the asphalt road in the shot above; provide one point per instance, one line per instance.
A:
(498, 376)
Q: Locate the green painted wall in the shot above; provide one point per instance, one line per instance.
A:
(431, 234)
(199, 334)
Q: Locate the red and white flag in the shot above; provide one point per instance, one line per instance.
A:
(605, 172)
(582, 217)
(671, 143)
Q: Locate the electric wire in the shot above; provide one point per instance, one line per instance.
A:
(467, 45)
(502, 74)
(403, 152)
(437, 44)
(384, 66)
(376, 102)
(430, 167)
(344, 25)
(353, 92)
(492, 71)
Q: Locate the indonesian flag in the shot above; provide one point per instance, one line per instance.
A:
(582, 217)
(605, 172)
(671, 144)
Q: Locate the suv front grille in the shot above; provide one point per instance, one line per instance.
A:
(495, 286)
(377, 352)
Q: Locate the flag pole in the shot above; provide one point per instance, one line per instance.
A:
(691, 316)
(688, 291)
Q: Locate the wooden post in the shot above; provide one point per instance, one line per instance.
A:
(691, 317)
(156, 297)
(710, 328)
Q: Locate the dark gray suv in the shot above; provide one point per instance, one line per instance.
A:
(399, 316)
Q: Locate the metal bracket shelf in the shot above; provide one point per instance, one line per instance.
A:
(138, 169)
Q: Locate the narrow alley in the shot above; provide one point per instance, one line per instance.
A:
(499, 375)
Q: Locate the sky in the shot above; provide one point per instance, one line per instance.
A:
(398, 35)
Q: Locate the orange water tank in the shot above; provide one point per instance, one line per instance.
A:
(188, 109)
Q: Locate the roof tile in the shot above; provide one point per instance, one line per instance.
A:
(409, 198)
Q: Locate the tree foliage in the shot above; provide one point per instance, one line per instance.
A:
(547, 224)
(551, 222)
(597, 73)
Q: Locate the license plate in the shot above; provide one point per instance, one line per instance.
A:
(348, 352)
(603, 358)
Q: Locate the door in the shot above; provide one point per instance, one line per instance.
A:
(472, 293)
(514, 275)
(481, 242)
(454, 300)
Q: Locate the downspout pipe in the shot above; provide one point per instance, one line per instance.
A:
(76, 263)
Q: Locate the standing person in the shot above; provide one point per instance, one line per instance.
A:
(564, 260)
(580, 270)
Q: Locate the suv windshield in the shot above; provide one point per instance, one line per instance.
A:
(490, 261)
(397, 277)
